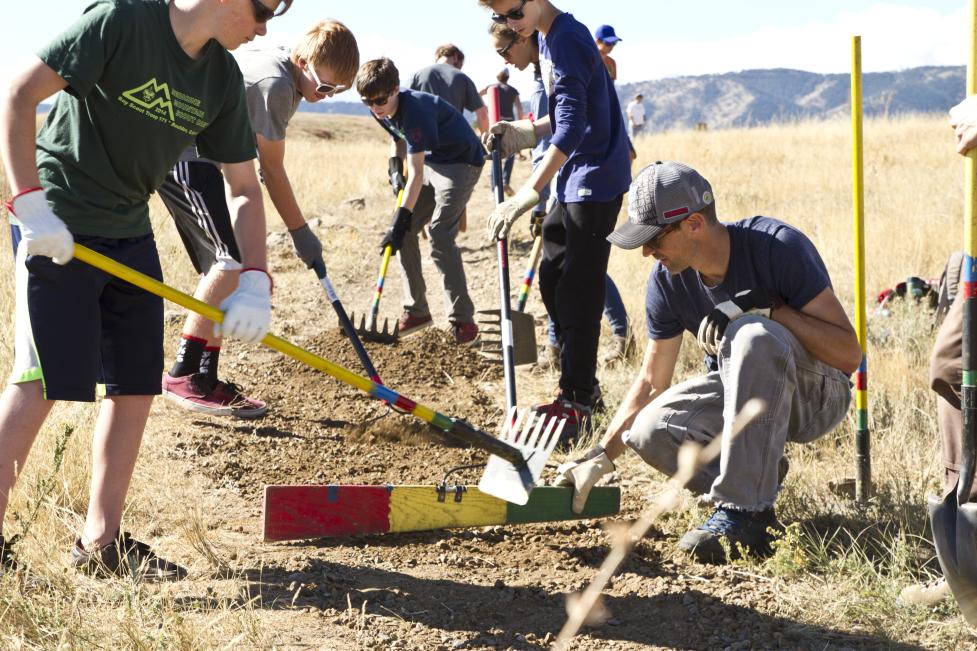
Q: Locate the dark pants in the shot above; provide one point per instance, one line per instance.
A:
(571, 281)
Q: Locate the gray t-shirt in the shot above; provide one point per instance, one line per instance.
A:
(271, 93)
(450, 84)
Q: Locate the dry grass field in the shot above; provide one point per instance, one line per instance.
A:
(831, 585)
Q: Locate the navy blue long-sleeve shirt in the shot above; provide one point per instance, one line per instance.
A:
(585, 113)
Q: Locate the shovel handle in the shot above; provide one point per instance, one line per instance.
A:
(384, 263)
(527, 279)
(453, 426)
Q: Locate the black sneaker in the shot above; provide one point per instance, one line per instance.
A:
(748, 530)
(125, 556)
(8, 563)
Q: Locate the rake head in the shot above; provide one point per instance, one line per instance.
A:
(369, 331)
(534, 435)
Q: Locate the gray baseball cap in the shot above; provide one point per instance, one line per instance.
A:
(663, 193)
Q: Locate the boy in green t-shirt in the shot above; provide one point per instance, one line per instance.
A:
(139, 81)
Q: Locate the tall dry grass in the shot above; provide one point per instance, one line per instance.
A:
(849, 560)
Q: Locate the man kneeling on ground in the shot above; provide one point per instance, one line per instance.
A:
(758, 297)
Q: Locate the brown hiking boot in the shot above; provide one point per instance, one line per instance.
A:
(928, 594)
(125, 557)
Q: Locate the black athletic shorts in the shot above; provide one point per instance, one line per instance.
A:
(193, 192)
(76, 326)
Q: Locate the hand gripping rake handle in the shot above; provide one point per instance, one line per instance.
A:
(452, 426)
(527, 280)
(371, 323)
(508, 352)
(347, 325)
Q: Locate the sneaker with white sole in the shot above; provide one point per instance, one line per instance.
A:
(409, 323)
(197, 392)
(124, 556)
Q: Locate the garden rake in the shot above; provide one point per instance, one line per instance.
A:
(368, 325)
(518, 455)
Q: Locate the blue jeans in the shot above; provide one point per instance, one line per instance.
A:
(614, 312)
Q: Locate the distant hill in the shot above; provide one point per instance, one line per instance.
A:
(754, 97)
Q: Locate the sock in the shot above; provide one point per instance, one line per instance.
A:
(209, 360)
(188, 356)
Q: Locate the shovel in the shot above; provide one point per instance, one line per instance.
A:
(368, 325)
(506, 335)
(953, 519)
(517, 456)
(527, 279)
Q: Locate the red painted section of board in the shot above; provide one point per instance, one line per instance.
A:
(296, 512)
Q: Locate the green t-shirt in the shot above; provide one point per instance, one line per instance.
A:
(134, 101)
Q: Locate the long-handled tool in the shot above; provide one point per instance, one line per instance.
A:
(517, 457)
(953, 517)
(345, 323)
(527, 279)
(368, 325)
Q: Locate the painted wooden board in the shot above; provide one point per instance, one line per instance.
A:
(301, 512)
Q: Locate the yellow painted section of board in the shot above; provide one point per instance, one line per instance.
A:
(415, 508)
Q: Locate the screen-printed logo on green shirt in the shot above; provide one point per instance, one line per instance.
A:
(154, 100)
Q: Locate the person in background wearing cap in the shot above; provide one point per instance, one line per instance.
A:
(757, 297)
(588, 155)
(606, 39)
(510, 108)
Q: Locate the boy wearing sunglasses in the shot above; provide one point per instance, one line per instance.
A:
(136, 83)
(276, 80)
(444, 160)
(588, 155)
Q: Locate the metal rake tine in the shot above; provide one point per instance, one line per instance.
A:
(555, 437)
(534, 437)
(551, 435)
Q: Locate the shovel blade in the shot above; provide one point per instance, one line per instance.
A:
(523, 336)
(371, 333)
(955, 537)
(534, 435)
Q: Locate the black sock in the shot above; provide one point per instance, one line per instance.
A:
(208, 362)
(188, 356)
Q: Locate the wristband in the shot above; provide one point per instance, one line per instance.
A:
(271, 281)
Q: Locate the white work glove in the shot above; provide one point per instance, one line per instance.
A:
(247, 312)
(963, 121)
(507, 212)
(514, 137)
(712, 328)
(41, 229)
(582, 474)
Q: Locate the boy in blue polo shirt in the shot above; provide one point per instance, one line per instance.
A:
(137, 82)
(444, 161)
(589, 157)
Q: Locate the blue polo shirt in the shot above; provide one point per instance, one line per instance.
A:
(763, 252)
(588, 125)
(432, 126)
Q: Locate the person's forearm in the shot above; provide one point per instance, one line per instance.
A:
(18, 115)
(543, 127)
(835, 346)
(639, 395)
(413, 191)
(283, 197)
(248, 220)
(552, 161)
(481, 115)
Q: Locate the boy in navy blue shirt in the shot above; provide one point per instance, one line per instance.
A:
(444, 160)
(589, 158)
(758, 298)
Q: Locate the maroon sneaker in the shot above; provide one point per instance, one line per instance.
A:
(465, 333)
(197, 392)
(576, 415)
(410, 324)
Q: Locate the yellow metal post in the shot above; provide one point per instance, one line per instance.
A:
(863, 450)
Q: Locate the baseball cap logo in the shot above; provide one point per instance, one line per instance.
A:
(676, 212)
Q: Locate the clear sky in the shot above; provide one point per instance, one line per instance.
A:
(661, 38)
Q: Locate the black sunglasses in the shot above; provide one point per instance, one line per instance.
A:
(515, 14)
(656, 241)
(504, 51)
(376, 101)
(263, 14)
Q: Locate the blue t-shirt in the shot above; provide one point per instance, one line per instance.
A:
(588, 125)
(430, 125)
(763, 252)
